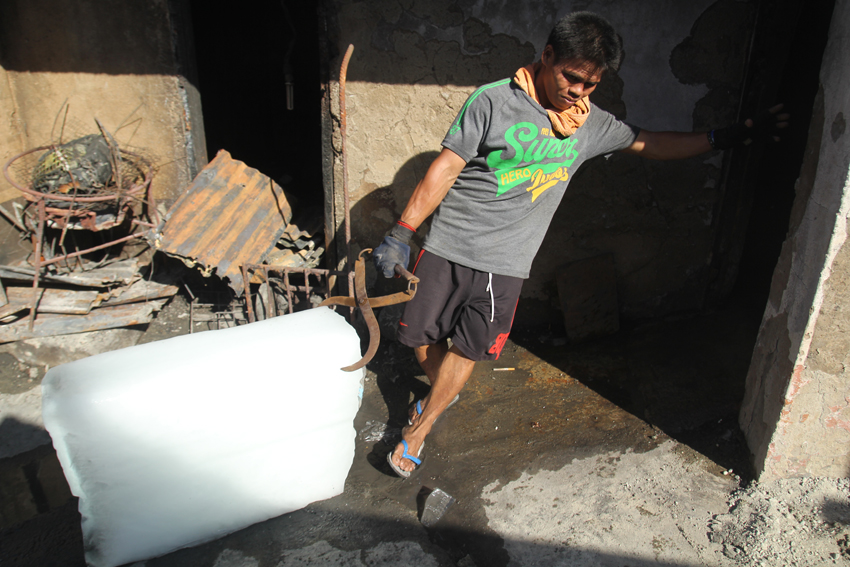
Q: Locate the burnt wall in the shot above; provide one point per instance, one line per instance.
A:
(415, 62)
(121, 61)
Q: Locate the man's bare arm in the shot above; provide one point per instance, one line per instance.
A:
(669, 145)
(679, 145)
(431, 191)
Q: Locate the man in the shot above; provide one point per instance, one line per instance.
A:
(506, 162)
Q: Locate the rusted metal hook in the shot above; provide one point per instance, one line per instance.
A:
(366, 304)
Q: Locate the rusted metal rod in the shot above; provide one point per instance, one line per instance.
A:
(246, 282)
(93, 249)
(343, 71)
(36, 295)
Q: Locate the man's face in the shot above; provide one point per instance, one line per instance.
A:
(567, 81)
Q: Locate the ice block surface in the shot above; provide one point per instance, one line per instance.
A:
(182, 441)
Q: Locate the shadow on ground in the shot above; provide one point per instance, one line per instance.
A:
(684, 376)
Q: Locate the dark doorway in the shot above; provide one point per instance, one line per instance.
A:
(795, 80)
(245, 56)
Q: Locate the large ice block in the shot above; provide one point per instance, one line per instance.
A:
(178, 442)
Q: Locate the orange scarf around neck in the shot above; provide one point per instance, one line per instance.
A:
(565, 122)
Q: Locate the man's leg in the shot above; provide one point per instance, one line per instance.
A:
(448, 375)
(476, 310)
(431, 357)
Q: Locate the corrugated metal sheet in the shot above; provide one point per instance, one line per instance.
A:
(230, 215)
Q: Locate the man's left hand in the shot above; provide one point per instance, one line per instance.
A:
(767, 124)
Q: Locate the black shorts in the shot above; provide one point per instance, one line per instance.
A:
(474, 309)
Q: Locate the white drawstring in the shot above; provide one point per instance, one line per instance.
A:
(492, 301)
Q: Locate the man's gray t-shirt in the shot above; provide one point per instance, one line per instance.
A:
(496, 214)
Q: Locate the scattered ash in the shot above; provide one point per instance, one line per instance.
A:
(791, 522)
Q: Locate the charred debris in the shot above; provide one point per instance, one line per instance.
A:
(102, 254)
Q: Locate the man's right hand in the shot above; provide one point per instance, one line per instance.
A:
(395, 249)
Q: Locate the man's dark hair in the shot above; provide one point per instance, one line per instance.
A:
(589, 37)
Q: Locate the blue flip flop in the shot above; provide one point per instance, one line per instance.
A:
(417, 461)
(418, 406)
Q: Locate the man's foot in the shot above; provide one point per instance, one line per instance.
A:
(418, 407)
(403, 460)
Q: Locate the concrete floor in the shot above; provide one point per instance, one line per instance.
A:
(651, 411)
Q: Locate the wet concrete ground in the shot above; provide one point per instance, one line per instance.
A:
(677, 380)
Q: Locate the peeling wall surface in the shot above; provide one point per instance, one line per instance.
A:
(114, 61)
(415, 63)
(796, 411)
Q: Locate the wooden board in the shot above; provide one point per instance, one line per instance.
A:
(49, 325)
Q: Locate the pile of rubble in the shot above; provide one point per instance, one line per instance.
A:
(232, 221)
(89, 299)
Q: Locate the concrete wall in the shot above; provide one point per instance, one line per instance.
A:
(415, 62)
(796, 411)
(115, 60)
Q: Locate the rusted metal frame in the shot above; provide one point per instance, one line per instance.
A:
(35, 195)
(123, 198)
(63, 216)
(287, 286)
(290, 288)
(101, 246)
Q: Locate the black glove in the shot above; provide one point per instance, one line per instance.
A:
(395, 249)
(768, 124)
